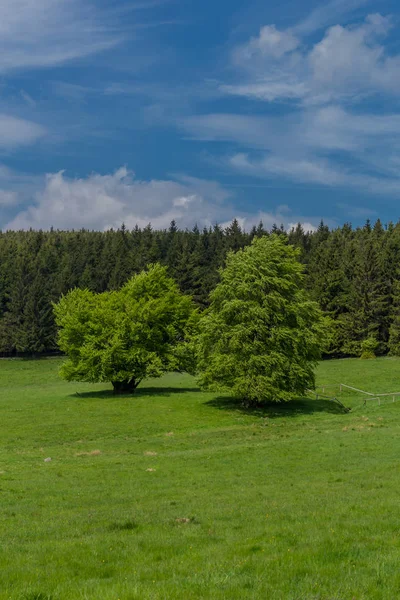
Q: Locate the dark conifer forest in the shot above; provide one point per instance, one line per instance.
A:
(354, 274)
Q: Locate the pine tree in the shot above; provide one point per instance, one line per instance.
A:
(394, 330)
(368, 299)
(234, 236)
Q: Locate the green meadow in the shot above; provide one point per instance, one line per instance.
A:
(177, 494)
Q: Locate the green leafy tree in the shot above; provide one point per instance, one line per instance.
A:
(127, 335)
(261, 336)
(369, 348)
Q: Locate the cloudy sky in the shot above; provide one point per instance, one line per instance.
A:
(143, 111)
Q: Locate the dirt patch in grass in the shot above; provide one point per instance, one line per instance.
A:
(92, 453)
(186, 521)
(183, 520)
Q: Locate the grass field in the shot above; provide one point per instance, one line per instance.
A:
(179, 494)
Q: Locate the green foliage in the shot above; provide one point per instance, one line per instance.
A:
(394, 341)
(367, 354)
(353, 274)
(124, 336)
(261, 336)
(369, 348)
(394, 332)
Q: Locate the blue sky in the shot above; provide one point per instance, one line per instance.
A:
(152, 110)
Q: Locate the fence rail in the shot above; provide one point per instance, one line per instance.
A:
(370, 395)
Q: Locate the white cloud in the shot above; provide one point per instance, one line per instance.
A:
(297, 169)
(49, 32)
(349, 60)
(268, 90)
(270, 43)
(103, 201)
(303, 146)
(327, 13)
(184, 201)
(18, 132)
(307, 227)
(315, 129)
(327, 133)
(8, 198)
(315, 170)
(347, 63)
(274, 217)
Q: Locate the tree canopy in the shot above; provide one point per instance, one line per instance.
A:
(352, 272)
(262, 335)
(127, 335)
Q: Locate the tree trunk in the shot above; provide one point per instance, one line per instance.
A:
(125, 387)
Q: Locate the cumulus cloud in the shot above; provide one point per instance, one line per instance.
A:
(307, 227)
(270, 43)
(348, 61)
(103, 201)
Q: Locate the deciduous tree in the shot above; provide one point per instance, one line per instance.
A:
(261, 336)
(127, 335)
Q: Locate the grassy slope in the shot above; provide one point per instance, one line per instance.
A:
(299, 502)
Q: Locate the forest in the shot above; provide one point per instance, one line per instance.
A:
(353, 273)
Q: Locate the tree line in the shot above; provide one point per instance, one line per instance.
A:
(353, 273)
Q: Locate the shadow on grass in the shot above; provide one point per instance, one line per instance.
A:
(139, 393)
(301, 406)
(165, 391)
